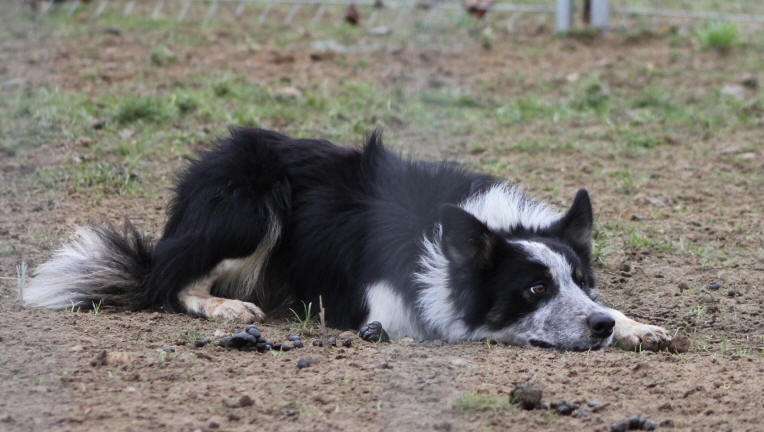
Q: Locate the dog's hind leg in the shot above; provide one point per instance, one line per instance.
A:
(196, 299)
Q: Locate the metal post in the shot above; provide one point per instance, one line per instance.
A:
(601, 14)
(564, 15)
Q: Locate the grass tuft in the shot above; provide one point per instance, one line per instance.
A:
(135, 108)
(722, 37)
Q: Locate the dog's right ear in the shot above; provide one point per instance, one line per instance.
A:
(466, 240)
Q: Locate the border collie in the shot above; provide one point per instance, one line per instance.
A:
(428, 250)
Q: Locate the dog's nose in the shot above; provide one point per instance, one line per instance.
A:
(601, 324)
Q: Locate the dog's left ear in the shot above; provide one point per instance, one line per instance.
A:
(578, 223)
(466, 240)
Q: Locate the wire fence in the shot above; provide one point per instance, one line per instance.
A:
(603, 14)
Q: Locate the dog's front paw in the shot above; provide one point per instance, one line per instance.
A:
(373, 332)
(632, 335)
(235, 310)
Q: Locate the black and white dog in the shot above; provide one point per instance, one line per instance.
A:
(428, 250)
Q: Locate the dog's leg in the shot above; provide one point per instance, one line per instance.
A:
(630, 335)
(197, 301)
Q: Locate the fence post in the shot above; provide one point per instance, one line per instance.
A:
(601, 14)
(564, 15)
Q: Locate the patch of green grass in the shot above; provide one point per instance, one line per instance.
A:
(594, 96)
(526, 110)
(161, 55)
(147, 108)
(106, 177)
(720, 36)
(639, 239)
(472, 402)
(450, 98)
(307, 322)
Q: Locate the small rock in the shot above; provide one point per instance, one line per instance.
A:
(731, 293)
(281, 347)
(98, 123)
(679, 344)
(683, 286)
(633, 423)
(527, 396)
(168, 349)
(750, 81)
(305, 362)
(252, 330)
(332, 341)
(625, 267)
(294, 338)
(297, 344)
(714, 286)
(202, 342)
(246, 401)
(597, 406)
(734, 90)
(347, 342)
(564, 407)
(239, 340)
(668, 423)
(289, 93)
(380, 31)
(318, 342)
(351, 15)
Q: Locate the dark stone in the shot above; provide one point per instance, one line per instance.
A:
(332, 341)
(168, 349)
(252, 330)
(239, 340)
(297, 344)
(318, 342)
(731, 293)
(373, 332)
(564, 407)
(246, 401)
(526, 395)
(668, 423)
(303, 363)
(714, 286)
(281, 347)
(347, 342)
(294, 338)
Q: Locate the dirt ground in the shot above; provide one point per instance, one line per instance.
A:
(671, 222)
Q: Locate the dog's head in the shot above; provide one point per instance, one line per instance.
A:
(526, 286)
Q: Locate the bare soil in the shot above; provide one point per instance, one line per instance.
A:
(56, 377)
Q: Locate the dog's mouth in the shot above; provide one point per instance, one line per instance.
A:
(542, 344)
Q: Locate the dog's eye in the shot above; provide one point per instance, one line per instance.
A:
(538, 289)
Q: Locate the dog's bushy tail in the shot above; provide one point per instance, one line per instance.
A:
(99, 265)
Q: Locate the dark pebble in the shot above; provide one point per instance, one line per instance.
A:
(303, 363)
(633, 423)
(332, 341)
(252, 330)
(714, 286)
(318, 343)
(202, 342)
(527, 396)
(294, 338)
(731, 293)
(262, 346)
(668, 423)
(565, 407)
(241, 339)
(281, 347)
(297, 344)
(373, 332)
(246, 401)
(168, 349)
(347, 343)
(647, 425)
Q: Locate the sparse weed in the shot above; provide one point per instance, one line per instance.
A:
(720, 36)
(96, 307)
(306, 322)
(148, 108)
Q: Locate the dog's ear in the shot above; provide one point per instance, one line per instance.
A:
(578, 223)
(466, 240)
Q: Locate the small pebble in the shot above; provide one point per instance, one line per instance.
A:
(714, 286)
(297, 344)
(202, 342)
(246, 401)
(683, 286)
(281, 347)
(564, 407)
(731, 293)
(668, 423)
(679, 344)
(332, 341)
(294, 338)
(303, 363)
(252, 330)
(347, 342)
(318, 343)
(168, 349)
